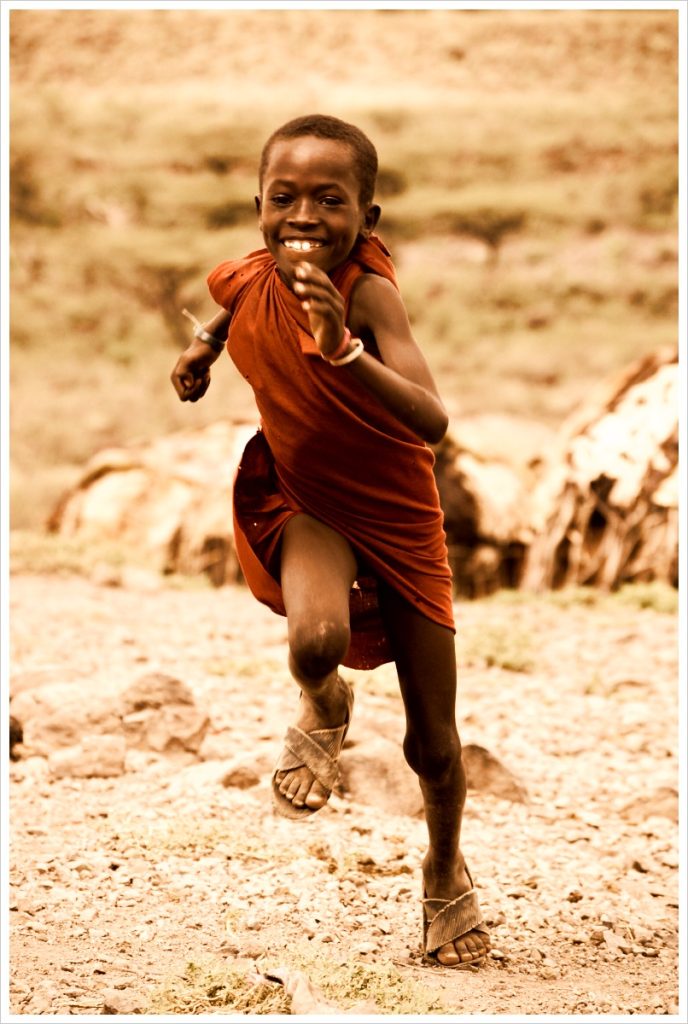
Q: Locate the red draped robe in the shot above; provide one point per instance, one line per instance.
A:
(328, 447)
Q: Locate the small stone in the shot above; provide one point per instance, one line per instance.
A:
(662, 803)
(549, 973)
(241, 777)
(252, 951)
(124, 1003)
(105, 575)
(578, 938)
(650, 952)
(614, 942)
(597, 936)
(497, 954)
(575, 896)
(364, 948)
(28, 906)
(643, 935)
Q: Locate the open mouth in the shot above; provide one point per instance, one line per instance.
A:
(302, 244)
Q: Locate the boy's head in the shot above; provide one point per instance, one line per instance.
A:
(317, 180)
(322, 126)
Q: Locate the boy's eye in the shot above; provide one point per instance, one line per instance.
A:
(331, 201)
(280, 200)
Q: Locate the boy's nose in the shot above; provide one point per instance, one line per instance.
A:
(303, 213)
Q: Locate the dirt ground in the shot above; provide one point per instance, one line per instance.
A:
(118, 884)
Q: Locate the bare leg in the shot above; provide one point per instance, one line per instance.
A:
(318, 569)
(426, 665)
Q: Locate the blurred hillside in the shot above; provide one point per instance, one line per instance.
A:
(528, 184)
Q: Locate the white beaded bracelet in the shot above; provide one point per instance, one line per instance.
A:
(352, 354)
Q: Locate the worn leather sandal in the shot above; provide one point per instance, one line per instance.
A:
(447, 920)
(318, 751)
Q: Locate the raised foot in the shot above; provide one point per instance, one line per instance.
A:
(307, 770)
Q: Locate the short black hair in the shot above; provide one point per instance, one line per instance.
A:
(322, 126)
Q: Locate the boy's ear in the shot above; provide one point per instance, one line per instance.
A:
(370, 219)
(259, 208)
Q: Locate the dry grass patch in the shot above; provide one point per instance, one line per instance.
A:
(213, 987)
(500, 646)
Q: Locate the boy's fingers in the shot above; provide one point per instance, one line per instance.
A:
(198, 390)
(319, 292)
(309, 272)
(322, 307)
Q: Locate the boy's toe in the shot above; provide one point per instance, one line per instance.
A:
(471, 946)
(301, 793)
(317, 796)
(448, 955)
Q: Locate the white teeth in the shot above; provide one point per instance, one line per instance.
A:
(301, 245)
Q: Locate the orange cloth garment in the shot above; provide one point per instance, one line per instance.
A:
(329, 448)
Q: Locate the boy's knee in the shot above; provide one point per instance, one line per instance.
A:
(433, 759)
(318, 648)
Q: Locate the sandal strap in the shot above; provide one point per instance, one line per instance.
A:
(317, 750)
(452, 920)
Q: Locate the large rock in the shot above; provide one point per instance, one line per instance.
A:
(95, 757)
(156, 712)
(488, 775)
(59, 715)
(154, 690)
(176, 727)
(159, 713)
(374, 772)
(169, 500)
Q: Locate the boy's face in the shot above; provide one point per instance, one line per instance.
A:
(309, 208)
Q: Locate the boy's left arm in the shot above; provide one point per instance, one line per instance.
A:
(402, 381)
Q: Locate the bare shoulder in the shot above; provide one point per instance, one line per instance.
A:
(375, 305)
(377, 309)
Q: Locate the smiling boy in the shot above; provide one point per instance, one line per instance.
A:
(336, 513)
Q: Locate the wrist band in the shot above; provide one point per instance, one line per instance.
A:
(350, 356)
(341, 348)
(216, 344)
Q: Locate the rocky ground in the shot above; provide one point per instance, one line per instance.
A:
(148, 873)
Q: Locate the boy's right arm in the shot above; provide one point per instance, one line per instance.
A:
(191, 374)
